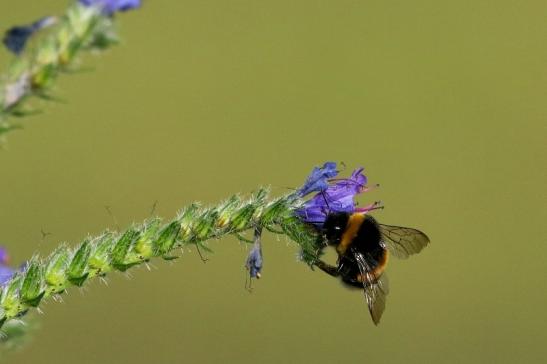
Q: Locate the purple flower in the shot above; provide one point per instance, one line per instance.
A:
(254, 262)
(5, 272)
(254, 259)
(334, 195)
(318, 179)
(16, 37)
(4, 257)
(109, 7)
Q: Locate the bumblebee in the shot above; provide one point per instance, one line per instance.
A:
(364, 247)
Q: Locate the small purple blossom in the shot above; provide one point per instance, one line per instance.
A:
(254, 262)
(5, 274)
(5, 271)
(333, 195)
(318, 179)
(109, 7)
(4, 257)
(254, 259)
(16, 37)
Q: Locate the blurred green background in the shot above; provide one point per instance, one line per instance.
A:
(444, 103)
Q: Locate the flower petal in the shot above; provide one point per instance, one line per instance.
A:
(254, 262)
(336, 197)
(4, 257)
(318, 179)
(16, 37)
(5, 274)
(109, 7)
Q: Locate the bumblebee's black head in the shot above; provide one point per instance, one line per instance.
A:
(334, 226)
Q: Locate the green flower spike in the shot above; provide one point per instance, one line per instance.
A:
(43, 278)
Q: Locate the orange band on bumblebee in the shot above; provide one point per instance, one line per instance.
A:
(378, 270)
(354, 223)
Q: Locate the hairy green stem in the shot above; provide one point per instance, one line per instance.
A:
(97, 256)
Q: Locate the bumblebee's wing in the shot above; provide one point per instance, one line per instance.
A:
(376, 292)
(402, 241)
(375, 295)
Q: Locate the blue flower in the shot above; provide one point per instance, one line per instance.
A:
(333, 195)
(5, 271)
(254, 259)
(318, 179)
(4, 257)
(5, 274)
(16, 37)
(109, 7)
(254, 262)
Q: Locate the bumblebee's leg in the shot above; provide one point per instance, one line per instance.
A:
(327, 268)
